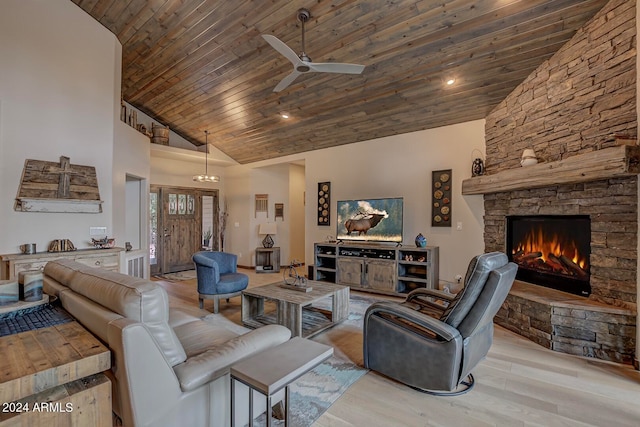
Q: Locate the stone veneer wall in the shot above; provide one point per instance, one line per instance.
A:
(571, 105)
(575, 99)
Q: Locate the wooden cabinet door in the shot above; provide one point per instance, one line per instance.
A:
(350, 271)
(380, 275)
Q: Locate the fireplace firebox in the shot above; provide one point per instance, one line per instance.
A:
(551, 250)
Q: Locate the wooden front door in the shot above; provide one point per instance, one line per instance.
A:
(180, 228)
(178, 217)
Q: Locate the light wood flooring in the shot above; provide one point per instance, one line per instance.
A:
(518, 384)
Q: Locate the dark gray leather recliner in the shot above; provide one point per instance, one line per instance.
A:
(433, 340)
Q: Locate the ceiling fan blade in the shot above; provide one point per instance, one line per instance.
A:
(281, 47)
(335, 67)
(286, 81)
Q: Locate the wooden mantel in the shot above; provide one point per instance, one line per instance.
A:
(612, 162)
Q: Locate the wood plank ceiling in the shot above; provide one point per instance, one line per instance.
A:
(201, 64)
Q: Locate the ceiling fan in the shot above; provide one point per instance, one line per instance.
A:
(302, 63)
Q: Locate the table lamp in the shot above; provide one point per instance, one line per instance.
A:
(269, 228)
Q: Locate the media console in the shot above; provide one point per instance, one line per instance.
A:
(377, 268)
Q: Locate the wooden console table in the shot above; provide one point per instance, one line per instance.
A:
(12, 264)
(53, 376)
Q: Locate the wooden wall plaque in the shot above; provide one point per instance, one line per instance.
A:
(324, 203)
(441, 199)
(58, 187)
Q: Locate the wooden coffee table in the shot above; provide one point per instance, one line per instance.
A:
(295, 309)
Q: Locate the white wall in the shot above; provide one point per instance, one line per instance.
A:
(131, 158)
(274, 181)
(237, 186)
(179, 173)
(401, 166)
(396, 166)
(58, 96)
(178, 141)
(294, 212)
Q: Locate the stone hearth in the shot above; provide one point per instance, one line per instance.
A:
(569, 323)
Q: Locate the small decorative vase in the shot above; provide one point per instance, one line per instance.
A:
(421, 241)
(477, 167)
(528, 158)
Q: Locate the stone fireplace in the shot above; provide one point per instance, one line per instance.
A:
(603, 324)
(574, 111)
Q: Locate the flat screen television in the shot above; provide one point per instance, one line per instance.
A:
(375, 220)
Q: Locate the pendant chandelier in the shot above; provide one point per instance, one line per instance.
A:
(206, 177)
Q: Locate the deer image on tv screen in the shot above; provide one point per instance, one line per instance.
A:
(362, 225)
(371, 219)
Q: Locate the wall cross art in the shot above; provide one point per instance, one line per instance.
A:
(58, 187)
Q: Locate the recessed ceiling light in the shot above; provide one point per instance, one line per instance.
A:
(451, 81)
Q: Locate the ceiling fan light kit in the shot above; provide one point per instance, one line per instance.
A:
(302, 63)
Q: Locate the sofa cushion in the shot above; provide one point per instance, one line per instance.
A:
(61, 270)
(199, 336)
(216, 361)
(51, 286)
(232, 282)
(93, 316)
(136, 299)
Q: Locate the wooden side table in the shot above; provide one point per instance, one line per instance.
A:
(270, 371)
(268, 260)
(53, 376)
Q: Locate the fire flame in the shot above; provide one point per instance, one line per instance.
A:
(538, 241)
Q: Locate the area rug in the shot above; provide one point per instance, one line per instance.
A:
(178, 276)
(313, 393)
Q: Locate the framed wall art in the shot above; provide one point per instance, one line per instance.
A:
(262, 204)
(441, 183)
(279, 211)
(324, 203)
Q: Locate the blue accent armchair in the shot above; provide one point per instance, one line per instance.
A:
(218, 277)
